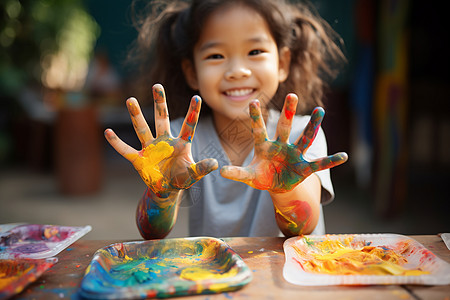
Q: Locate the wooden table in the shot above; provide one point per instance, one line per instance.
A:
(264, 256)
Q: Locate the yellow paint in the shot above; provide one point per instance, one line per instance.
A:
(88, 269)
(337, 258)
(219, 287)
(289, 220)
(198, 273)
(148, 163)
(10, 274)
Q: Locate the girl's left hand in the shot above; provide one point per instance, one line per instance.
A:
(277, 165)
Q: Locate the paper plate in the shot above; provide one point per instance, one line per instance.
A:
(299, 249)
(164, 268)
(16, 274)
(38, 241)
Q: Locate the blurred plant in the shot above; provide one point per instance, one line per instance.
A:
(45, 41)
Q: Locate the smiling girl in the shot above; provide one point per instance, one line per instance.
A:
(241, 57)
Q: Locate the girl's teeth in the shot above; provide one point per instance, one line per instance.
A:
(237, 93)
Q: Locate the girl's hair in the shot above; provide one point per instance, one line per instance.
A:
(168, 31)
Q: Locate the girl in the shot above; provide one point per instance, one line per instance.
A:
(232, 52)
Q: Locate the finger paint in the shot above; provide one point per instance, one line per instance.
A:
(148, 162)
(338, 257)
(290, 107)
(155, 217)
(198, 273)
(311, 129)
(132, 108)
(38, 241)
(16, 274)
(11, 271)
(294, 217)
(163, 268)
(191, 120)
(158, 94)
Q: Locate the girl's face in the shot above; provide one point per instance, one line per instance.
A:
(236, 60)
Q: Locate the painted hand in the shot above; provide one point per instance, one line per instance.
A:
(165, 163)
(277, 165)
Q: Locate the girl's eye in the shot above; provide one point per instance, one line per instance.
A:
(215, 56)
(255, 52)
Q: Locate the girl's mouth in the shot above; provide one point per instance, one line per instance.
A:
(239, 94)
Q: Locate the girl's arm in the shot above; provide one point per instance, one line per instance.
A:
(297, 211)
(165, 163)
(281, 168)
(155, 216)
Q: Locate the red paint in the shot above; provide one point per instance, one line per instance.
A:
(191, 117)
(302, 210)
(289, 114)
(300, 213)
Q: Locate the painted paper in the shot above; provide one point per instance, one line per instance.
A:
(164, 268)
(360, 260)
(38, 241)
(16, 274)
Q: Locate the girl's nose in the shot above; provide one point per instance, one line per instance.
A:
(237, 70)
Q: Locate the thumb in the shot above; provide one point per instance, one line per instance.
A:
(202, 168)
(237, 173)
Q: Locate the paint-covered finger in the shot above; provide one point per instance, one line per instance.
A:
(286, 117)
(203, 167)
(310, 131)
(329, 161)
(120, 146)
(162, 123)
(190, 122)
(258, 126)
(237, 173)
(140, 125)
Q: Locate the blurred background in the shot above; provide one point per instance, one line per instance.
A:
(63, 81)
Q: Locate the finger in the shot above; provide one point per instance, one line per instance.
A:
(287, 115)
(203, 167)
(258, 126)
(162, 123)
(237, 173)
(329, 161)
(121, 147)
(309, 133)
(140, 125)
(190, 122)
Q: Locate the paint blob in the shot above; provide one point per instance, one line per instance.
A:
(164, 268)
(360, 260)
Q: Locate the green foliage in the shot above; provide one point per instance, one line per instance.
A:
(31, 30)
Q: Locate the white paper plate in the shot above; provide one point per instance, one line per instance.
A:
(417, 255)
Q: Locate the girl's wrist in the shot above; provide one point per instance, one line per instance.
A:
(163, 198)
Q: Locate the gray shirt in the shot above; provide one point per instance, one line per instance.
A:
(221, 207)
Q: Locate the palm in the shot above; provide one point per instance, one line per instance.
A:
(165, 163)
(282, 165)
(279, 166)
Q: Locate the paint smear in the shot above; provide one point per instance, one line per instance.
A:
(164, 268)
(361, 259)
(148, 163)
(338, 257)
(199, 273)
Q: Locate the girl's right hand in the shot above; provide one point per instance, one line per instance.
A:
(165, 163)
